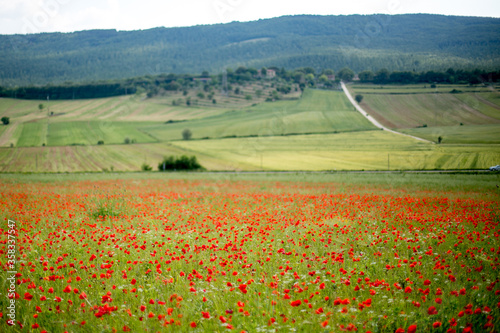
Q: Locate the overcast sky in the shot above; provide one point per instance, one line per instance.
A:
(34, 16)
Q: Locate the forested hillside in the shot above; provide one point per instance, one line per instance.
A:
(402, 42)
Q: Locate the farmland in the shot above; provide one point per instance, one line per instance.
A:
(251, 253)
(372, 150)
(432, 112)
(318, 131)
(316, 112)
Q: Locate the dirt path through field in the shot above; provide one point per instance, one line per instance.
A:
(373, 121)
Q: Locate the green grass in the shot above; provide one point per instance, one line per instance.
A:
(95, 158)
(412, 106)
(10, 134)
(316, 112)
(269, 136)
(89, 133)
(477, 186)
(33, 134)
(373, 150)
(486, 103)
(3, 128)
(407, 111)
(122, 108)
(476, 134)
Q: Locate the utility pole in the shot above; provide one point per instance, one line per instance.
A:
(388, 162)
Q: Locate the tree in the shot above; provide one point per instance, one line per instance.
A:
(345, 74)
(186, 134)
(358, 98)
(5, 120)
(366, 76)
(440, 138)
(41, 107)
(382, 76)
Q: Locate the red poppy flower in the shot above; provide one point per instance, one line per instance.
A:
(432, 310)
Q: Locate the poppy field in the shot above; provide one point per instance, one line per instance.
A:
(199, 254)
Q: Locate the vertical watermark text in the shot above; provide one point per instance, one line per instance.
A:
(11, 271)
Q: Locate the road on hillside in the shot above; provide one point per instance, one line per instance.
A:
(373, 121)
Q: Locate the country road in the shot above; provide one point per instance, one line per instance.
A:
(371, 119)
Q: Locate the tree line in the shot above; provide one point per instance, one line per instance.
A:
(282, 81)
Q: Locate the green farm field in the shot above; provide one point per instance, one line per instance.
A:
(86, 122)
(372, 150)
(413, 106)
(316, 112)
(319, 131)
(464, 135)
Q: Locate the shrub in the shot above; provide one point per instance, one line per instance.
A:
(146, 167)
(179, 163)
(187, 134)
(358, 98)
(5, 120)
(100, 142)
(126, 141)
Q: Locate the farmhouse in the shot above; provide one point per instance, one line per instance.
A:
(270, 73)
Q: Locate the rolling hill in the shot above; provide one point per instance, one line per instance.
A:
(459, 114)
(319, 131)
(400, 42)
